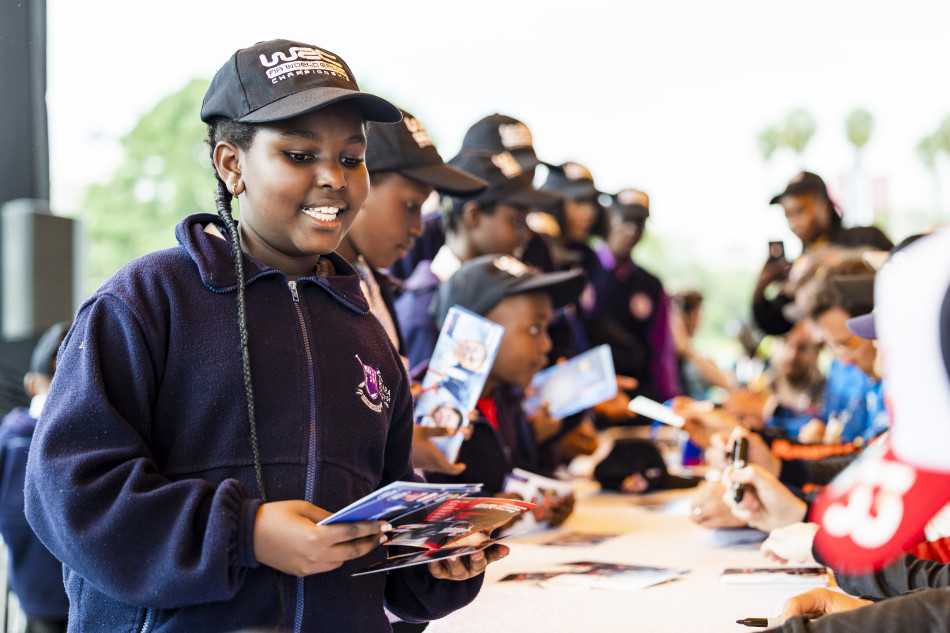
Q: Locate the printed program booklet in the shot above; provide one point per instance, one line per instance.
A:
(594, 575)
(542, 491)
(776, 576)
(463, 356)
(574, 385)
(397, 499)
(438, 529)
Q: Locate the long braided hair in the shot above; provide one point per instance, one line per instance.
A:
(241, 135)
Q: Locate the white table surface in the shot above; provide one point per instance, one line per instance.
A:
(654, 530)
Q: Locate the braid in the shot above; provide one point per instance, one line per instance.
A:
(223, 202)
(242, 135)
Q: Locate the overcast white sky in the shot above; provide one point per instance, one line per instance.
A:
(664, 96)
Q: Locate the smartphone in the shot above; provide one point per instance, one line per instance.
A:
(740, 457)
(776, 250)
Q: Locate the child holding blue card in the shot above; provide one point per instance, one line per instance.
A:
(523, 301)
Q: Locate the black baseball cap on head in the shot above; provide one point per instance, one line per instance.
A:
(482, 282)
(506, 178)
(280, 79)
(43, 359)
(501, 133)
(637, 456)
(405, 147)
(803, 182)
(630, 202)
(571, 180)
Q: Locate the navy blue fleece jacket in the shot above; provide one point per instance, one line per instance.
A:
(141, 474)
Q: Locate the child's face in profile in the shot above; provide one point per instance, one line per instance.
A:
(390, 221)
(304, 182)
(525, 345)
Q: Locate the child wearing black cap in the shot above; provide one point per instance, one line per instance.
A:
(35, 576)
(404, 169)
(634, 314)
(492, 221)
(523, 300)
(186, 456)
(493, 134)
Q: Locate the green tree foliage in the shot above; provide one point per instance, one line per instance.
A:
(858, 127)
(931, 145)
(794, 133)
(165, 174)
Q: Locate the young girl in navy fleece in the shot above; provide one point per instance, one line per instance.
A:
(216, 400)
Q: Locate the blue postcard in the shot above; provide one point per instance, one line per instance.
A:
(574, 385)
(453, 383)
(399, 498)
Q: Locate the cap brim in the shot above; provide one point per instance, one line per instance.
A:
(794, 189)
(875, 509)
(447, 179)
(575, 189)
(863, 326)
(529, 197)
(563, 286)
(373, 108)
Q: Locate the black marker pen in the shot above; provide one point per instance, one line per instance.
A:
(740, 454)
(761, 622)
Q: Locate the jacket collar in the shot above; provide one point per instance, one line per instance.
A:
(212, 255)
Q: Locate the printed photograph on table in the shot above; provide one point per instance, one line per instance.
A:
(783, 576)
(543, 492)
(578, 539)
(574, 385)
(453, 382)
(596, 575)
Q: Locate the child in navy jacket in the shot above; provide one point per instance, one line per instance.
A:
(185, 457)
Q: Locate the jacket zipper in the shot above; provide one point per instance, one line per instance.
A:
(147, 625)
(312, 447)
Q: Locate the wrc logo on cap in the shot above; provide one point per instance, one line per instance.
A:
(507, 164)
(303, 59)
(575, 171)
(418, 131)
(512, 266)
(515, 135)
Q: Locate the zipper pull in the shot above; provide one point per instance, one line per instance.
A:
(293, 291)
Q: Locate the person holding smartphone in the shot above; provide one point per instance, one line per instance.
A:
(817, 221)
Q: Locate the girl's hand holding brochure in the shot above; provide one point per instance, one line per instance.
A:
(286, 538)
(465, 567)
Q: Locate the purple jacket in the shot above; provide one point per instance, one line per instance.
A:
(141, 476)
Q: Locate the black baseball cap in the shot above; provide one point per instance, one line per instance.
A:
(630, 202)
(482, 282)
(43, 359)
(501, 133)
(571, 180)
(803, 182)
(506, 178)
(405, 147)
(638, 456)
(280, 79)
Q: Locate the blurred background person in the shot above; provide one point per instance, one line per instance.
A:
(36, 576)
(817, 221)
